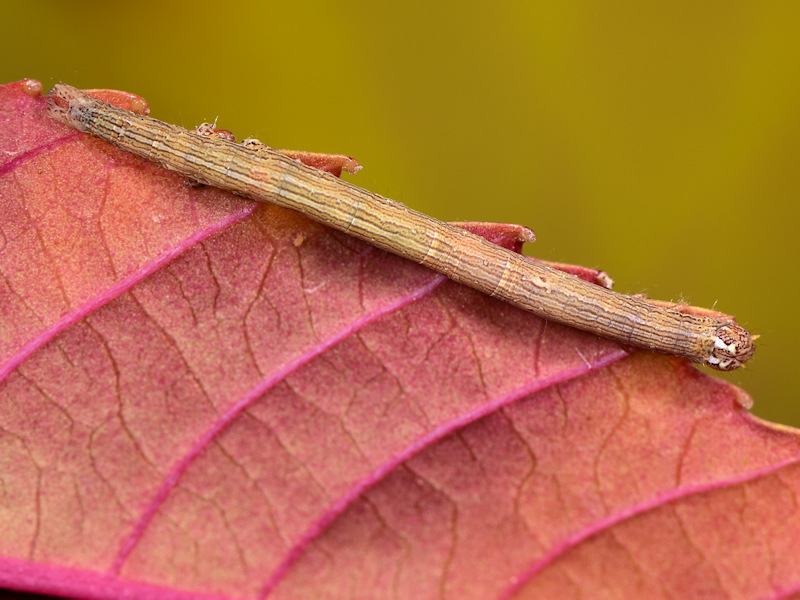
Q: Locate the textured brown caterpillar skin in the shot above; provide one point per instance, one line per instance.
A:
(269, 176)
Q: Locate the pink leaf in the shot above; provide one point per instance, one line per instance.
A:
(202, 395)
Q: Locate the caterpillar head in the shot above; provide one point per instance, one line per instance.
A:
(733, 346)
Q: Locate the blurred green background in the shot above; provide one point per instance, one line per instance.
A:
(657, 141)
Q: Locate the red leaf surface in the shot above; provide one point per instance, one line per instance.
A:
(202, 395)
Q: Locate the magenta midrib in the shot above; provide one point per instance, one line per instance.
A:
(171, 480)
(114, 291)
(248, 399)
(43, 578)
(627, 514)
(436, 434)
(206, 438)
(70, 582)
(33, 153)
(371, 478)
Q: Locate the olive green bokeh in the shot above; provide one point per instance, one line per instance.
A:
(658, 141)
